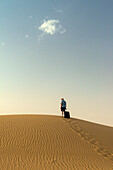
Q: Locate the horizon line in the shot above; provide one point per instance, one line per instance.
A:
(54, 114)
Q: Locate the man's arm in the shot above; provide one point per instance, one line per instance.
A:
(60, 105)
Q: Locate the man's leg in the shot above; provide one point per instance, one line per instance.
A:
(62, 113)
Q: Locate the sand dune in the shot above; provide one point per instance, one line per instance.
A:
(33, 142)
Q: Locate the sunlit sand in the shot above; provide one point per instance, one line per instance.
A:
(34, 142)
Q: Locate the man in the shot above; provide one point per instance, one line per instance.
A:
(63, 105)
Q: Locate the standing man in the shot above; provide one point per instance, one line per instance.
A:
(63, 105)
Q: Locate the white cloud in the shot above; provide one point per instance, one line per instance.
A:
(50, 27)
(30, 17)
(3, 43)
(59, 10)
(40, 37)
(26, 36)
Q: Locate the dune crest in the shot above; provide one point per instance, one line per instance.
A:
(51, 142)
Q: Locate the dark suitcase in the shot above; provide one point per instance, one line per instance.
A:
(66, 114)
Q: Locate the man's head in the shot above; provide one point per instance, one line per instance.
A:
(62, 98)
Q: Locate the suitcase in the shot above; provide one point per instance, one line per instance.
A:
(66, 114)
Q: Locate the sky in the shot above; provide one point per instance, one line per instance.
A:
(51, 49)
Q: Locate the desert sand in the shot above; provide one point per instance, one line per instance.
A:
(41, 142)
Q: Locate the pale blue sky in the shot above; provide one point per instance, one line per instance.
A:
(52, 49)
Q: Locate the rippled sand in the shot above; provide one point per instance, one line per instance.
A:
(33, 142)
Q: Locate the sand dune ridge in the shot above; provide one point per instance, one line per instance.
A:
(51, 142)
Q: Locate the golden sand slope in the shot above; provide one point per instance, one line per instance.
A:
(36, 142)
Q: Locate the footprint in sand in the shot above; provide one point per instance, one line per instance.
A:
(85, 136)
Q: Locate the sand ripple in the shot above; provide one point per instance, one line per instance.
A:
(48, 142)
(89, 138)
